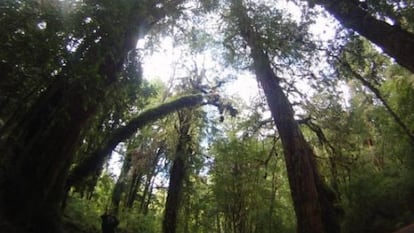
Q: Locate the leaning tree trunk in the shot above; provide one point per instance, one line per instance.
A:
(38, 151)
(313, 203)
(394, 41)
(178, 173)
(96, 159)
(35, 156)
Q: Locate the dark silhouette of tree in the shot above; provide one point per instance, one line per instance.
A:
(37, 144)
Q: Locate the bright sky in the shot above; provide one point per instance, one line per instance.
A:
(160, 65)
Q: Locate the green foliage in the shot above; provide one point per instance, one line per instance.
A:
(199, 212)
(82, 216)
(133, 221)
(250, 187)
(286, 41)
(28, 64)
(83, 213)
(376, 201)
(370, 157)
(400, 89)
(362, 66)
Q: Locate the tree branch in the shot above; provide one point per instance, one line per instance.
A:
(94, 160)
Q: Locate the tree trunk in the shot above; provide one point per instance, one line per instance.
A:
(36, 157)
(174, 195)
(133, 189)
(313, 205)
(393, 40)
(178, 173)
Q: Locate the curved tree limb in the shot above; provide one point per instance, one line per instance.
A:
(95, 160)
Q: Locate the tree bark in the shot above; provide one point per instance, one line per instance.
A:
(313, 203)
(177, 174)
(393, 40)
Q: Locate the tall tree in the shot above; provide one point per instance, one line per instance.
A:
(313, 202)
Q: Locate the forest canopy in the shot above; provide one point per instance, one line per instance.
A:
(156, 90)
